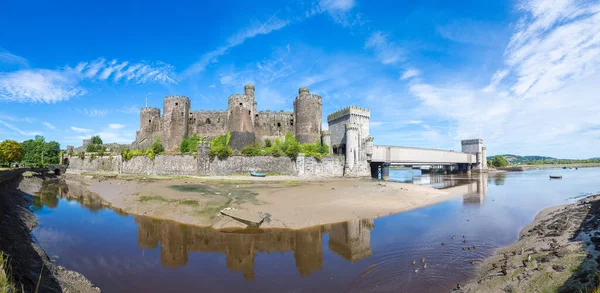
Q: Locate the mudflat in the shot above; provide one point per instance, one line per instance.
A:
(228, 203)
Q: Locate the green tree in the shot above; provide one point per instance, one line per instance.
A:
(96, 139)
(11, 151)
(157, 147)
(499, 161)
(35, 149)
(190, 144)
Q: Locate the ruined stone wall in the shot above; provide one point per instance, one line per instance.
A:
(272, 125)
(240, 119)
(308, 113)
(207, 124)
(110, 164)
(331, 166)
(174, 121)
(149, 123)
(161, 165)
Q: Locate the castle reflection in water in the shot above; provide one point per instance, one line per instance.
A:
(351, 240)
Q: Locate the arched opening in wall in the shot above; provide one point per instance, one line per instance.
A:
(278, 124)
(56, 171)
(241, 104)
(65, 161)
(249, 114)
(176, 104)
(149, 121)
(207, 120)
(292, 122)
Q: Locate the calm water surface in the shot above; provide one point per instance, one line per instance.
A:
(126, 253)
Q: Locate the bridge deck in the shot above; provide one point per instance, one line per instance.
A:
(419, 156)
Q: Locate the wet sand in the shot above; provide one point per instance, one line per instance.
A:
(558, 252)
(282, 204)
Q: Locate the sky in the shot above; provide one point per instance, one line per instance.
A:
(521, 75)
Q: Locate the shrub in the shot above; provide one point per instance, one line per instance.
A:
(499, 161)
(251, 150)
(157, 147)
(81, 155)
(96, 139)
(91, 148)
(190, 144)
(220, 147)
(92, 157)
(268, 143)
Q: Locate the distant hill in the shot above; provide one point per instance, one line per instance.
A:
(534, 160)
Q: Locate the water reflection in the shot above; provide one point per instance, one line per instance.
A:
(53, 190)
(351, 240)
(472, 187)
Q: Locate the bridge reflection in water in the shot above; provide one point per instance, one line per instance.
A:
(351, 240)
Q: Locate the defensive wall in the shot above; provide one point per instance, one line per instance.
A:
(202, 165)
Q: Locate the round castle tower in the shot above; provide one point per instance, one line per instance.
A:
(352, 145)
(326, 139)
(240, 118)
(308, 111)
(174, 123)
(149, 122)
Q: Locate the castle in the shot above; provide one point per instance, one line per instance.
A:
(246, 125)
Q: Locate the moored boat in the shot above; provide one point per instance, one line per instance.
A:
(555, 177)
(255, 174)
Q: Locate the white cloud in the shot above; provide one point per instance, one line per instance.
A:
(387, 52)
(18, 130)
(338, 10)
(49, 125)
(51, 86)
(39, 86)
(129, 110)
(410, 73)
(80, 130)
(93, 112)
(9, 58)
(115, 126)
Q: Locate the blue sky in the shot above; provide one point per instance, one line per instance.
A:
(522, 75)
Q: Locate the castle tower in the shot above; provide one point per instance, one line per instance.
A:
(475, 147)
(308, 112)
(240, 118)
(352, 145)
(149, 123)
(174, 122)
(326, 139)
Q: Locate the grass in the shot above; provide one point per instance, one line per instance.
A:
(28, 174)
(6, 282)
(146, 198)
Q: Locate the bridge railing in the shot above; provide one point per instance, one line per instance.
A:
(416, 155)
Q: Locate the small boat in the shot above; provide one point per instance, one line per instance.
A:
(564, 167)
(555, 177)
(255, 174)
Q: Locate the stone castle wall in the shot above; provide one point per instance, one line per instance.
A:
(247, 126)
(332, 166)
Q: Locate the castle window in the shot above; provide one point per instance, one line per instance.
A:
(249, 113)
(292, 122)
(218, 120)
(207, 120)
(278, 124)
(241, 104)
(176, 104)
(149, 121)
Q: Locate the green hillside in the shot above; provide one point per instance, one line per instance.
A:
(539, 160)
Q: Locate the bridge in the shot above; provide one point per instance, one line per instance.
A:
(472, 156)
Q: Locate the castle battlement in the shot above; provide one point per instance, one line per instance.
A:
(241, 119)
(350, 110)
(351, 126)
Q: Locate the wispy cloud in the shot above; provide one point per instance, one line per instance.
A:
(18, 130)
(410, 73)
(51, 86)
(130, 110)
(49, 125)
(386, 51)
(93, 112)
(115, 126)
(9, 58)
(80, 130)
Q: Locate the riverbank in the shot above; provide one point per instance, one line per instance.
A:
(238, 202)
(558, 252)
(25, 264)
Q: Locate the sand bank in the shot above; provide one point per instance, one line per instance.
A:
(282, 204)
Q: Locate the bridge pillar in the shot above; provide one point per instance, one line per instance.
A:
(385, 171)
(375, 170)
(447, 169)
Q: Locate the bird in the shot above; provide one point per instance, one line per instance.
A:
(464, 248)
(424, 265)
(423, 260)
(452, 237)
(463, 236)
(443, 244)
(474, 247)
(469, 248)
(416, 270)
(414, 262)
(465, 241)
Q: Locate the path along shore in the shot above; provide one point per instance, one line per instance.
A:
(283, 203)
(558, 252)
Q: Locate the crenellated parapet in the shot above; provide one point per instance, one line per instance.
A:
(350, 110)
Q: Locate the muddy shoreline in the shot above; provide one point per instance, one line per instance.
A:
(558, 252)
(26, 258)
(280, 204)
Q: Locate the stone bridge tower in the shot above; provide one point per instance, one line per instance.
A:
(240, 118)
(308, 110)
(174, 122)
(475, 147)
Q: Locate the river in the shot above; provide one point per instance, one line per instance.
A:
(126, 253)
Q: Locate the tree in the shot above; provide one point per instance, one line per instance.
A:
(96, 139)
(11, 151)
(35, 149)
(499, 161)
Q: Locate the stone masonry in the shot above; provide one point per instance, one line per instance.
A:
(246, 125)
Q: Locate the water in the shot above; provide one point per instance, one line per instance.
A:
(126, 253)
